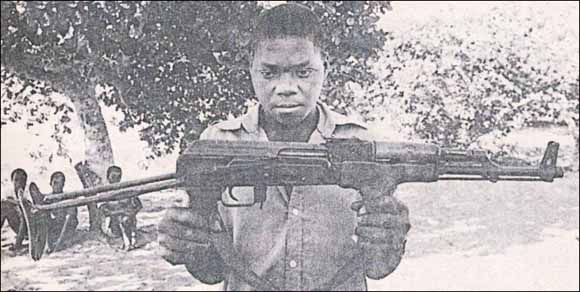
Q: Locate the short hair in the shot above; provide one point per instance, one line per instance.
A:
(113, 168)
(19, 174)
(56, 174)
(287, 20)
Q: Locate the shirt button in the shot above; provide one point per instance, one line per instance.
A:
(293, 264)
(295, 211)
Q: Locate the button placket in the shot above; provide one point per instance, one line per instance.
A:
(294, 244)
(295, 211)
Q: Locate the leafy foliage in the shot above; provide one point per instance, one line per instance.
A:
(31, 103)
(450, 83)
(172, 67)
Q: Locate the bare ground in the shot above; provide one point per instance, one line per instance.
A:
(473, 236)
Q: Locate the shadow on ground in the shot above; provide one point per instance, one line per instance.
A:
(93, 262)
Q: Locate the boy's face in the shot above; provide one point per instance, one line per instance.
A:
(114, 177)
(57, 184)
(287, 75)
(19, 183)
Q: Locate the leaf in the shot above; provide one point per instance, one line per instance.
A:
(201, 46)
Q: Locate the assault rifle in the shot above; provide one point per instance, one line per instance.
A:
(211, 165)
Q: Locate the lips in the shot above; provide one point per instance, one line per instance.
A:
(287, 106)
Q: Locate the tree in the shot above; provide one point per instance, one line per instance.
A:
(451, 83)
(171, 67)
(183, 72)
(39, 43)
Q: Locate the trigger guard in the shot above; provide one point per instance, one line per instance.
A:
(231, 194)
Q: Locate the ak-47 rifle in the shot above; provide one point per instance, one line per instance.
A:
(211, 165)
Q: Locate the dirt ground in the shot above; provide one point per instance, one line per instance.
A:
(473, 236)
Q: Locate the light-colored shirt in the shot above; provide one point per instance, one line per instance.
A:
(297, 241)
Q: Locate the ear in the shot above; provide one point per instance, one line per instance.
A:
(326, 64)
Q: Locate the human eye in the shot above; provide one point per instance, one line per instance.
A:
(268, 74)
(304, 73)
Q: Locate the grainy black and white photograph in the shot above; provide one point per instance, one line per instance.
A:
(290, 145)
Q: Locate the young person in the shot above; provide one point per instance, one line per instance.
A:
(64, 222)
(303, 235)
(11, 211)
(122, 213)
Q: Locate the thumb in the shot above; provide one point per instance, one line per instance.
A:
(216, 224)
(358, 207)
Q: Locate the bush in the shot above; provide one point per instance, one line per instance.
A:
(452, 81)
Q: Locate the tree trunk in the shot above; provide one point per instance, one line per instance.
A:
(90, 179)
(98, 150)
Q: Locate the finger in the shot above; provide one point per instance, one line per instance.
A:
(397, 246)
(186, 250)
(186, 217)
(383, 220)
(175, 258)
(387, 204)
(379, 235)
(184, 233)
(370, 192)
(382, 250)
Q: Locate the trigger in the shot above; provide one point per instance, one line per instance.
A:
(260, 192)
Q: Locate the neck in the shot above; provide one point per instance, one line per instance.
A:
(289, 133)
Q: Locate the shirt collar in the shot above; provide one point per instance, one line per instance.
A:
(327, 121)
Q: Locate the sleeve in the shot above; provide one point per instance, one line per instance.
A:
(210, 133)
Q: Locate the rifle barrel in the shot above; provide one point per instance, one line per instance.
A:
(501, 173)
(507, 171)
(474, 178)
(111, 187)
(117, 194)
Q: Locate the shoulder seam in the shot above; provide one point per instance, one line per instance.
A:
(340, 119)
(229, 125)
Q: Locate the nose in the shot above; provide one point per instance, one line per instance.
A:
(286, 86)
(287, 93)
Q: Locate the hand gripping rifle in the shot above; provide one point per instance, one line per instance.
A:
(216, 166)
